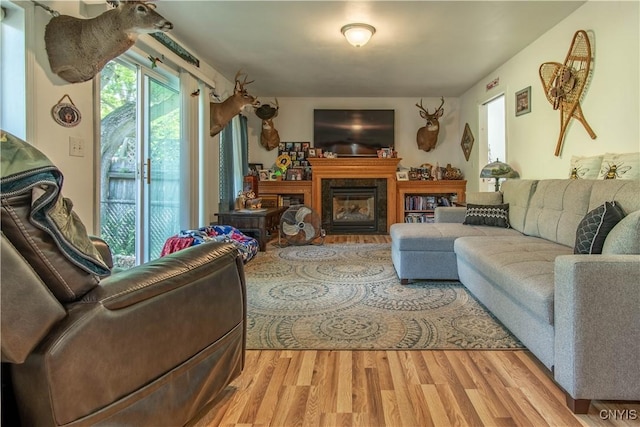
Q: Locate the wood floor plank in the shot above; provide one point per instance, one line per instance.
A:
(402, 398)
(437, 410)
(345, 382)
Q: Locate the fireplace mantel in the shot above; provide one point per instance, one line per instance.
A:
(354, 167)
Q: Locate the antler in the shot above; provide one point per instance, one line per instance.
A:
(244, 82)
(441, 104)
(421, 107)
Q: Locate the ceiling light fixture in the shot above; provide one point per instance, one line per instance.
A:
(358, 34)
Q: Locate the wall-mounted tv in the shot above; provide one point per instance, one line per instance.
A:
(353, 133)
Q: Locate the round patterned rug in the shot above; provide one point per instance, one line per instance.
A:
(348, 296)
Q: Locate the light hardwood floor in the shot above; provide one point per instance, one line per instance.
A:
(401, 388)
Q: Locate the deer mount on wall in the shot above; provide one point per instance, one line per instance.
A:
(222, 112)
(427, 136)
(78, 49)
(269, 137)
(565, 83)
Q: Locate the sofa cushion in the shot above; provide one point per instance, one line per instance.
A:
(517, 193)
(624, 192)
(521, 266)
(491, 215)
(438, 236)
(483, 197)
(556, 209)
(595, 226)
(624, 238)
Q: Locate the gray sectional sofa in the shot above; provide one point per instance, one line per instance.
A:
(579, 314)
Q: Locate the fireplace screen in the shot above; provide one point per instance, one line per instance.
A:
(353, 205)
(353, 209)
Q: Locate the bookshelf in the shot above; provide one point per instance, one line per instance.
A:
(417, 200)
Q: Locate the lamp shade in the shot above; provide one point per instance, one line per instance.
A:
(358, 34)
(498, 170)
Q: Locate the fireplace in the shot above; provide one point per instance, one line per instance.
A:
(354, 205)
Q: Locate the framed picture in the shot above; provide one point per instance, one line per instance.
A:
(264, 175)
(523, 101)
(467, 141)
(402, 176)
(413, 175)
(295, 174)
(312, 152)
(255, 168)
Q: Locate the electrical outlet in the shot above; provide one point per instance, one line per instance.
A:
(76, 147)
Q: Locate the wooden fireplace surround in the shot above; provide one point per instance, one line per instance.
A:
(354, 167)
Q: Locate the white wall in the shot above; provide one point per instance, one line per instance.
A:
(295, 123)
(610, 103)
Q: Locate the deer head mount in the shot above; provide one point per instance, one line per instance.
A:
(78, 49)
(269, 137)
(222, 112)
(427, 136)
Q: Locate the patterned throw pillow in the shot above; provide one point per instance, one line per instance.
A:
(586, 167)
(492, 215)
(622, 166)
(594, 227)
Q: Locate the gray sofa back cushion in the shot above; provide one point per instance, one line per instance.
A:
(624, 192)
(558, 205)
(517, 192)
(556, 209)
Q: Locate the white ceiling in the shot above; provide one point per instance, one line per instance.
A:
(421, 48)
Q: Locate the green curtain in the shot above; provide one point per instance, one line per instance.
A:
(234, 161)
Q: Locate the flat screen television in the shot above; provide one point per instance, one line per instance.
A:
(353, 133)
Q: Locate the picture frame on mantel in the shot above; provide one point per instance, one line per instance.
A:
(467, 141)
(523, 101)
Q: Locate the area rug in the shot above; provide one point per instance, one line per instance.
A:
(348, 297)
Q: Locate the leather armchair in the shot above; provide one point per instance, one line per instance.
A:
(147, 346)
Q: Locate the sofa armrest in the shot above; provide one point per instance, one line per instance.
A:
(450, 214)
(597, 326)
(163, 275)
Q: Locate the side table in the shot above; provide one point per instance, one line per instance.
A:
(258, 223)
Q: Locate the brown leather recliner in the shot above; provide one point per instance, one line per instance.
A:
(147, 346)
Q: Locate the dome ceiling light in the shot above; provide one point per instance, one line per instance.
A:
(358, 34)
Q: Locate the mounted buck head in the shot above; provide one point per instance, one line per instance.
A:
(269, 137)
(427, 136)
(223, 112)
(78, 49)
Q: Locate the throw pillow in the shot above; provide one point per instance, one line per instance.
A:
(586, 167)
(491, 215)
(627, 165)
(594, 227)
(624, 238)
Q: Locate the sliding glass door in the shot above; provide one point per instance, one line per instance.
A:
(139, 163)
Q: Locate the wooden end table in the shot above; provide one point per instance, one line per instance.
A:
(258, 223)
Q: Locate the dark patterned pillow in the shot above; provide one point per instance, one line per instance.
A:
(594, 227)
(492, 215)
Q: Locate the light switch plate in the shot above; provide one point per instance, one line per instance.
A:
(76, 147)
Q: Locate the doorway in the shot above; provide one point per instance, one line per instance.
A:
(139, 160)
(493, 142)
